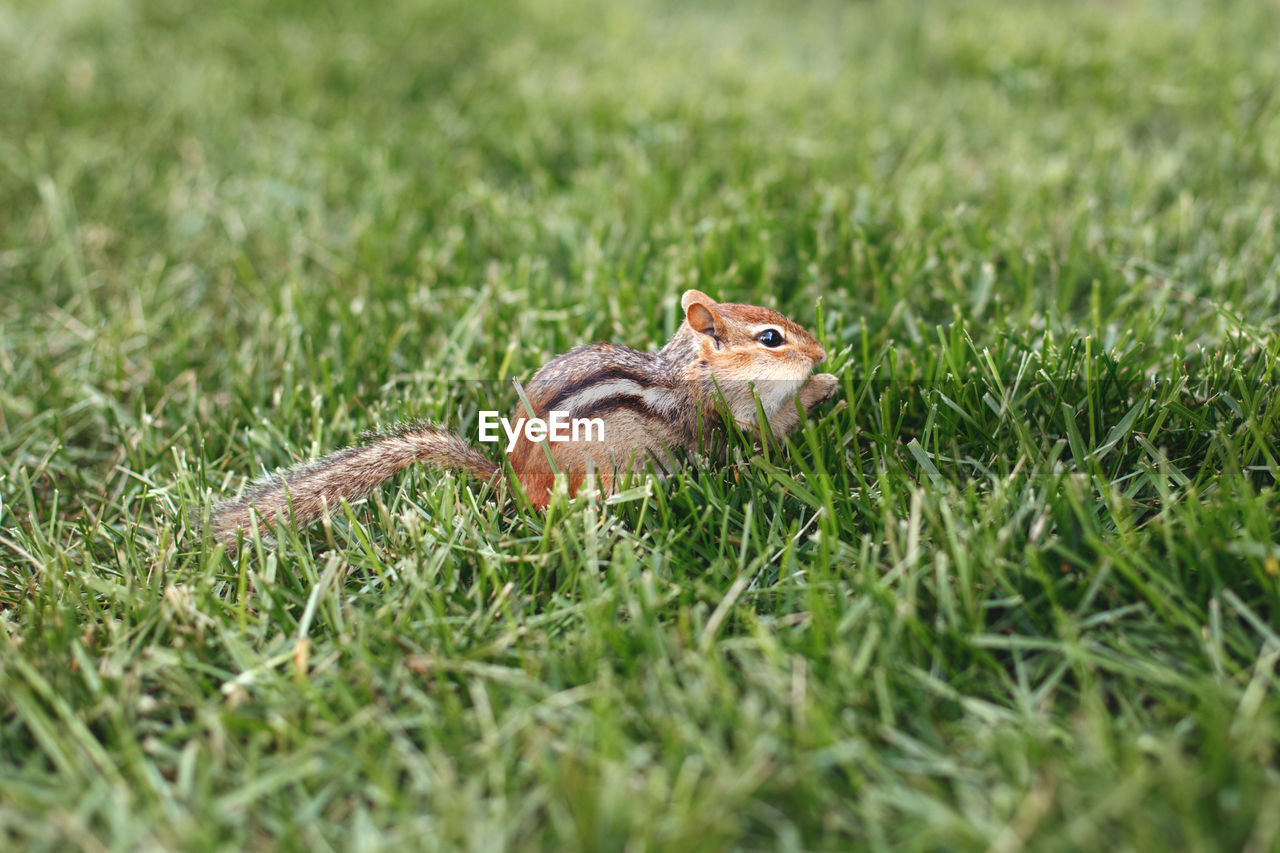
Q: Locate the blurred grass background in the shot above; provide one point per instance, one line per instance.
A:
(1020, 588)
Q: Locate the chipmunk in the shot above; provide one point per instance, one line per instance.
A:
(650, 403)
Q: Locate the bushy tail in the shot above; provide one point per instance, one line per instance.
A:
(311, 489)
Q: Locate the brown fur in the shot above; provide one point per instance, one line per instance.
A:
(652, 404)
(307, 492)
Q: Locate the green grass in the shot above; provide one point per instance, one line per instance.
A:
(1017, 586)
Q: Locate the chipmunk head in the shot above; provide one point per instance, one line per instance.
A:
(745, 347)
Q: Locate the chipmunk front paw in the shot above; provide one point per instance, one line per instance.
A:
(817, 389)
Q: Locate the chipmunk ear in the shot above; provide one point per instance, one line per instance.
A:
(701, 315)
(692, 296)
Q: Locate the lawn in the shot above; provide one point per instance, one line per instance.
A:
(1016, 586)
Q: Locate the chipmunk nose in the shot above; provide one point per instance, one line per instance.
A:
(820, 355)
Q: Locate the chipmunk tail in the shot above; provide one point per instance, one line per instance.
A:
(305, 493)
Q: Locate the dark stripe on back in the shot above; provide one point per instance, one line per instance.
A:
(619, 401)
(608, 374)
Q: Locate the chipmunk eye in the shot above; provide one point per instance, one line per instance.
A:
(771, 338)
